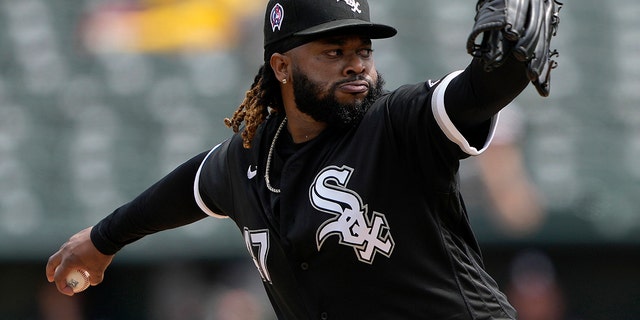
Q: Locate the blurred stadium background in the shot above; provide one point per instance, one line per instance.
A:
(100, 98)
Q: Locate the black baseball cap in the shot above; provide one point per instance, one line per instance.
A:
(291, 23)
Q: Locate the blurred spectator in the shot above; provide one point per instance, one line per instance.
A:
(510, 198)
(533, 288)
(231, 291)
(54, 306)
(237, 304)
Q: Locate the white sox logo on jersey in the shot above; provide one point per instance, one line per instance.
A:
(368, 234)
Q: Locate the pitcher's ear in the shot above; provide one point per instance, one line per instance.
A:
(280, 64)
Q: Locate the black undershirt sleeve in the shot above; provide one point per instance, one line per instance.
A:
(167, 204)
(476, 95)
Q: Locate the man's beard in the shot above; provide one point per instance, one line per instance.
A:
(324, 107)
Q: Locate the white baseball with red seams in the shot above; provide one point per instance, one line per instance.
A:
(78, 280)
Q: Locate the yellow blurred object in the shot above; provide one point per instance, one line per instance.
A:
(166, 25)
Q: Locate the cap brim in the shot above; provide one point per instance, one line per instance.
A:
(368, 29)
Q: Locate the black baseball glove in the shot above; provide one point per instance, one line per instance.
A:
(523, 28)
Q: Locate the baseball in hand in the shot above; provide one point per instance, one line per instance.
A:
(78, 280)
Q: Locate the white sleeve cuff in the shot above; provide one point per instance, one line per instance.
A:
(449, 129)
(196, 190)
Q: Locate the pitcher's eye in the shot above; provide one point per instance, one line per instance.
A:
(334, 53)
(366, 53)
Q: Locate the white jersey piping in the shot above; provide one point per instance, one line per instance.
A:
(196, 189)
(447, 126)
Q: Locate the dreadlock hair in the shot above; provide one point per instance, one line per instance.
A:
(263, 95)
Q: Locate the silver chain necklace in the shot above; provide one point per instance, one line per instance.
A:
(273, 144)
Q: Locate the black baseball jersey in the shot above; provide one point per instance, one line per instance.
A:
(369, 223)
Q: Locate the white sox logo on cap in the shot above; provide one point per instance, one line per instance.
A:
(304, 20)
(355, 5)
(277, 13)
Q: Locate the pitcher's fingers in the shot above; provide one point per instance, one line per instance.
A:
(60, 278)
(95, 278)
(52, 264)
(64, 288)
